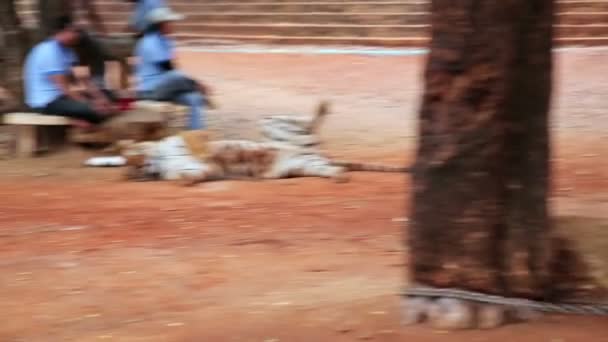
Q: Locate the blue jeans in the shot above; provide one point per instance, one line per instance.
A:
(174, 86)
(196, 102)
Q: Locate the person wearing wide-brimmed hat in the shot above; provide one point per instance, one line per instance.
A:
(157, 76)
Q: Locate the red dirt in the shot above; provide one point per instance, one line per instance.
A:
(87, 257)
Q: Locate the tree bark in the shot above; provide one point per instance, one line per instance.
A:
(48, 12)
(13, 48)
(480, 217)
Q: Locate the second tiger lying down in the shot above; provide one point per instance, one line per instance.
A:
(192, 158)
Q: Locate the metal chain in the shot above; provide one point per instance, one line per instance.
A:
(599, 309)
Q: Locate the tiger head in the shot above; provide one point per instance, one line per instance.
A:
(140, 160)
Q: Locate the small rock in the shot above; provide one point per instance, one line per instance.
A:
(386, 332)
(414, 310)
(133, 320)
(451, 314)
(344, 330)
(365, 337)
(71, 228)
(229, 256)
(378, 313)
(525, 314)
(67, 264)
(281, 304)
(490, 316)
(41, 174)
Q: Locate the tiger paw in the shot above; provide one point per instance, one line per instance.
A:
(451, 314)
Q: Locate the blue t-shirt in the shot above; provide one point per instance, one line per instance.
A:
(142, 8)
(152, 49)
(44, 60)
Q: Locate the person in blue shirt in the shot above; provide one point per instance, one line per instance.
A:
(157, 77)
(48, 75)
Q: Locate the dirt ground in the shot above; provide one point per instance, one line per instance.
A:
(87, 257)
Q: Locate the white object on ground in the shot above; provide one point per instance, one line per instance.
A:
(106, 161)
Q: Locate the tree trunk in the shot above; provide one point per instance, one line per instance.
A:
(48, 12)
(13, 48)
(480, 214)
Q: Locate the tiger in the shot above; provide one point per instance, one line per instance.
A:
(290, 149)
(303, 131)
(297, 130)
(172, 158)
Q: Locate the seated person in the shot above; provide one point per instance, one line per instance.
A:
(48, 75)
(157, 77)
(90, 49)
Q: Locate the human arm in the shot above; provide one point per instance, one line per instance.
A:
(63, 81)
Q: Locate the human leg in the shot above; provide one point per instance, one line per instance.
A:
(179, 88)
(196, 103)
(64, 106)
(172, 84)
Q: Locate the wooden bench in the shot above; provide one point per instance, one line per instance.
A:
(27, 128)
(28, 124)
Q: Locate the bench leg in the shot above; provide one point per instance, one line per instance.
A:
(26, 141)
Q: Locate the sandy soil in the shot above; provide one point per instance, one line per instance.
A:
(87, 257)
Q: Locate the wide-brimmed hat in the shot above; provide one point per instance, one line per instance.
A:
(163, 14)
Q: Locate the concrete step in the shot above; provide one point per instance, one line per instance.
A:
(296, 30)
(282, 1)
(582, 41)
(582, 6)
(302, 40)
(333, 5)
(418, 42)
(347, 30)
(368, 22)
(412, 18)
(379, 6)
(582, 18)
(574, 31)
(399, 18)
